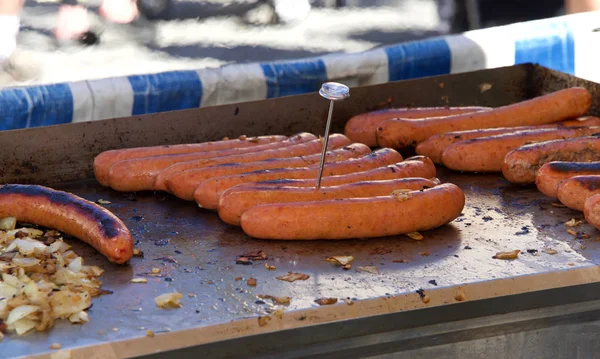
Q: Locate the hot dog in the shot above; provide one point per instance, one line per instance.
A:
(521, 164)
(434, 146)
(69, 214)
(416, 166)
(208, 192)
(336, 140)
(356, 217)
(184, 183)
(591, 210)
(238, 199)
(573, 191)
(363, 128)
(554, 107)
(104, 161)
(551, 174)
(486, 154)
(138, 174)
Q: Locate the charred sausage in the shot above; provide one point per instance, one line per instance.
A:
(574, 191)
(69, 214)
(521, 164)
(551, 174)
(591, 210)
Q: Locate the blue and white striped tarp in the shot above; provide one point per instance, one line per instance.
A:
(566, 44)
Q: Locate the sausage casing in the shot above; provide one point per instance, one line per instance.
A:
(238, 199)
(363, 128)
(356, 217)
(183, 184)
(574, 191)
(521, 164)
(551, 174)
(434, 146)
(486, 154)
(69, 214)
(208, 192)
(104, 161)
(557, 106)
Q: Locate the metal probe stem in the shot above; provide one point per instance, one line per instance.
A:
(325, 142)
(332, 91)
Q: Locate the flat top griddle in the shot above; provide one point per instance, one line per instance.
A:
(197, 253)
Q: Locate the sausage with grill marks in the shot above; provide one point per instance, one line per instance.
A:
(208, 192)
(521, 164)
(138, 174)
(574, 191)
(104, 161)
(69, 214)
(550, 175)
(557, 106)
(356, 217)
(238, 199)
(486, 154)
(183, 184)
(435, 145)
(311, 147)
(363, 128)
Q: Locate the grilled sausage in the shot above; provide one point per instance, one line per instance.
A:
(573, 191)
(591, 210)
(356, 217)
(416, 166)
(69, 214)
(554, 107)
(208, 192)
(486, 154)
(307, 148)
(238, 199)
(104, 161)
(434, 146)
(138, 174)
(363, 128)
(184, 183)
(551, 174)
(521, 164)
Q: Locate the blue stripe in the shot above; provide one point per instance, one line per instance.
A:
(168, 91)
(418, 59)
(292, 78)
(35, 106)
(555, 49)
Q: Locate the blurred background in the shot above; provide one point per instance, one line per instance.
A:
(195, 34)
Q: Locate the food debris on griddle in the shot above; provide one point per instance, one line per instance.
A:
(292, 277)
(326, 301)
(368, 269)
(573, 223)
(251, 282)
(276, 300)
(507, 255)
(340, 260)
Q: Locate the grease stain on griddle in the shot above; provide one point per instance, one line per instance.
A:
(137, 218)
(421, 293)
(487, 218)
(524, 230)
(433, 281)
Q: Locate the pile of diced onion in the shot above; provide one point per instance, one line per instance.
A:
(42, 280)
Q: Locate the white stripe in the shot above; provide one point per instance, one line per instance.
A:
(587, 53)
(358, 69)
(481, 49)
(83, 105)
(231, 84)
(111, 98)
